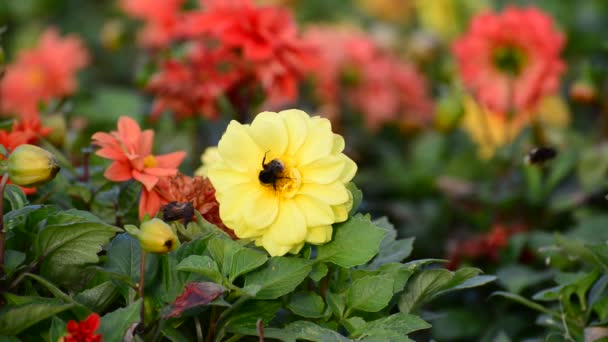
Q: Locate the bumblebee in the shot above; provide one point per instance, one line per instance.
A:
(271, 172)
(539, 155)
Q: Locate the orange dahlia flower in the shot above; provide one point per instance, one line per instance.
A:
(131, 150)
(510, 60)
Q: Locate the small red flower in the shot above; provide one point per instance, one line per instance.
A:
(510, 60)
(83, 331)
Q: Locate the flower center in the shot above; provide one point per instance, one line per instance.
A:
(282, 179)
(509, 60)
(150, 161)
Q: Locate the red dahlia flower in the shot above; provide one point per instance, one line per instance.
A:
(161, 18)
(83, 331)
(42, 73)
(510, 60)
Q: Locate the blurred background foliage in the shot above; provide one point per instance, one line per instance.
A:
(497, 213)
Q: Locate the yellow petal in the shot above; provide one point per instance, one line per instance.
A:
(333, 193)
(316, 212)
(223, 177)
(319, 235)
(270, 134)
(322, 171)
(319, 142)
(239, 150)
(339, 144)
(289, 227)
(262, 208)
(341, 212)
(296, 122)
(349, 170)
(273, 248)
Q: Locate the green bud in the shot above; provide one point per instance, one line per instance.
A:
(155, 236)
(30, 165)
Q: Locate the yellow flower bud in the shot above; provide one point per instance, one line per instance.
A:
(30, 165)
(156, 236)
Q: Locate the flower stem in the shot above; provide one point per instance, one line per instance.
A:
(2, 186)
(142, 273)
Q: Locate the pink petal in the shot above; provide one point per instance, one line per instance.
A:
(112, 153)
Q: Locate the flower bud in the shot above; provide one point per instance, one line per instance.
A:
(583, 91)
(30, 165)
(448, 112)
(56, 122)
(155, 236)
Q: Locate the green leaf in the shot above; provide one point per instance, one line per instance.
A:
(302, 330)
(429, 284)
(592, 167)
(15, 319)
(15, 197)
(355, 242)
(13, 259)
(98, 298)
(221, 249)
(336, 303)
(400, 273)
(370, 294)
(601, 308)
(58, 328)
(245, 260)
(128, 197)
(202, 265)
(522, 300)
(319, 270)
(279, 276)
(124, 256)
(307, 304)
(70, 240)
(395, 325)
(516, 278)
(114, 325)
(80, 191)
(244, 319)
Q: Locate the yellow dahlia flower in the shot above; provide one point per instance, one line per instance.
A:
(207, 158)
(281, 180)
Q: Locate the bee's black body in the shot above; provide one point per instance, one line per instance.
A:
(271, 172)
(540, 155)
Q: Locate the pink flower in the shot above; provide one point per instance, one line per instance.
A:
(42, 73)
(131, 152)
(374, 82)
(510, 60)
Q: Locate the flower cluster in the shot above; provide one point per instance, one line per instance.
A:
(161, 19)
(510, 60)
(484, 246)
(354, 68)
(232, 49)
(42, 73)
(83, 331)
(281, 180)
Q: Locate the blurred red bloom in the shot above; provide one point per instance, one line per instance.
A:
(131, 151)
(83, 331)
(42, 73)
(197, 190)
(510, 60)
(161, 19)
(233, 49)
(192, 85)
(376, 83)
